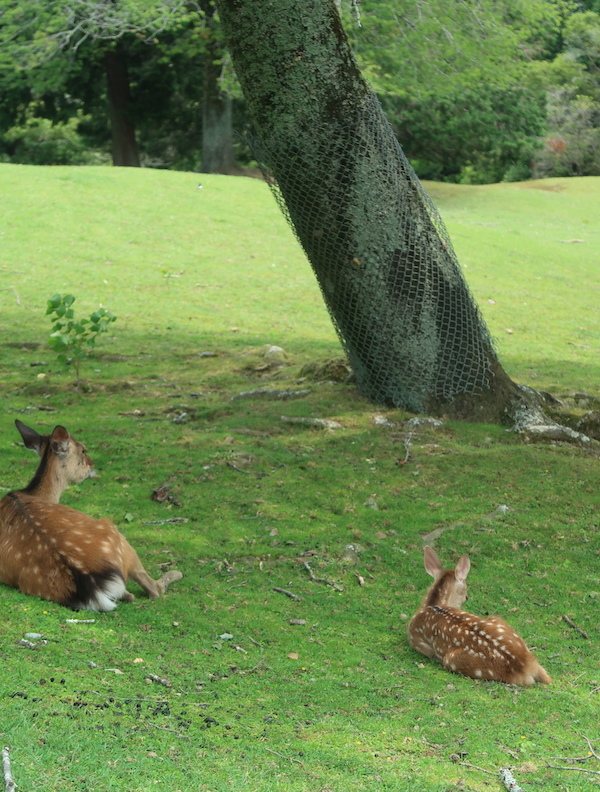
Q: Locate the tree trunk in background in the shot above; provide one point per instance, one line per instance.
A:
(217, 134)
(124, 145)
(382, 256)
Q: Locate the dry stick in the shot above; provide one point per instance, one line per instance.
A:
(508, 780)
(162, 680)
(287, 758)
(287, 593)
(592, 751)
(16, 293)
(171, 731)
(572, 624)
(320, 579)
(9, 784)
(164, 522)
(466, 764)
(578, 769)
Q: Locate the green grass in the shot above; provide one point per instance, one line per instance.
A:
(217, 270)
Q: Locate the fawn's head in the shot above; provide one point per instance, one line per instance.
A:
(67, 456)
(450, 586)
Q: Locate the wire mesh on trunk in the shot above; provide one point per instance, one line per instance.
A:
(382, 257)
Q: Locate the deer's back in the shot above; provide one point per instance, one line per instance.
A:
(46, 547)
(446, 629)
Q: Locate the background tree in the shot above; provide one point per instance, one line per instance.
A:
(451, 80)
(55, 43)
(572, 82)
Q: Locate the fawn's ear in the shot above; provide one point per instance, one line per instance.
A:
(31, 438)
(462, 568)
(432, 562)
(59, 441)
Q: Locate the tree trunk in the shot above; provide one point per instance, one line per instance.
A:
(217, 134)
(124, 145)
(383, 259)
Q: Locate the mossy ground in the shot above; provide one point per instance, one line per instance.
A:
(339, 702)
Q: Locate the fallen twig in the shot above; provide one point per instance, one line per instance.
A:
(508, 780)
(318, 423)
(281, 756)
(578, 769)
(270, 393)
(9, 784)
(472, 766)
(164, 522)
(572, 624)
(171, 731)
(258, 473)
(15, 292)
(336, 586)
(287, 593)
(407, 442)
(80, 621)
(162, 680)
(591, 747)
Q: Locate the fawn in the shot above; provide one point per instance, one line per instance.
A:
(467, 644)
(61, 554)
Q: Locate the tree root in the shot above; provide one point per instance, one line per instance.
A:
(527, 416)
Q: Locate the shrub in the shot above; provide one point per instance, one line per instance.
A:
(40, 141)
(72, 339)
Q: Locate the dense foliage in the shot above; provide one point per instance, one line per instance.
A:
(477, 91)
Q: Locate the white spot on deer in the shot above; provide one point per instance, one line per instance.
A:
(478, 672)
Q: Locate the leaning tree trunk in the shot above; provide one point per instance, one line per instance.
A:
(217, 131)
(383, 259)
(124, 145)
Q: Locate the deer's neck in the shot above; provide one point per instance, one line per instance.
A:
(439, 592)
(48, 483)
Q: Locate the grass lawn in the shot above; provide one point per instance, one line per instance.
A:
(259, 691)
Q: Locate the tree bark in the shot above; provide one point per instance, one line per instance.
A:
(124, 144)
(383, 259)
(217, 134)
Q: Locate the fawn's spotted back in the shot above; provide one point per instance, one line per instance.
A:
(480, 648)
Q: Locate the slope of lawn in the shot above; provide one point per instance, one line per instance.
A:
(227, 684)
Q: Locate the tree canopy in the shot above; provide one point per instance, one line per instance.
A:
(474, 89)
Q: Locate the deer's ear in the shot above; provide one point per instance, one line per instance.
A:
(59, 441)
(462, 568)
(432, 562)
(31, 438)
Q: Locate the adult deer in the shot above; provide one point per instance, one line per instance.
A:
(61, 554)
(467, 644)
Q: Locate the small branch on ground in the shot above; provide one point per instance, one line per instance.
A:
(14, 291)
(577, 769)
(336, 586)
(407, 442)
(509, 781)
(572, 624)
(258, 473)
(318, 423)
(591, 747)
(474, 767)
(161, 680)
(165, 522)
(281, 756)
(269, 393)
(9, 784)
(287, 593)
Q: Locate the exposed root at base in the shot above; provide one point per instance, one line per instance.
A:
(527, 416)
